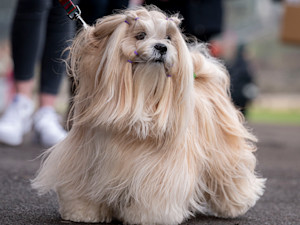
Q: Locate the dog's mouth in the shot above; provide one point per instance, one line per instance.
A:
(159, 60)
(156, 60)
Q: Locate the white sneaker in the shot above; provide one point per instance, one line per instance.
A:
(16, 120)
(47, 127)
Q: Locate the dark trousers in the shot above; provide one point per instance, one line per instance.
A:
(41, 31)
(202, 18)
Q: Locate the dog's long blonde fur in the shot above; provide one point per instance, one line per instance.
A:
(146, 148)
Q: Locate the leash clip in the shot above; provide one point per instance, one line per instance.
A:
(73, 11)
(77, 16)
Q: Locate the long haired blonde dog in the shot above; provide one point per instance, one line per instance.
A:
(156, 138)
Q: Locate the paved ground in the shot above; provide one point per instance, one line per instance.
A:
(278, 155)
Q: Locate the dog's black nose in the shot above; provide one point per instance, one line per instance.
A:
(162, 49)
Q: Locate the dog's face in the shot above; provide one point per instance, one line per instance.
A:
(153, 38)
(135, 73)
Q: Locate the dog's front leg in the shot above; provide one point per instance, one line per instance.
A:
(80, 210)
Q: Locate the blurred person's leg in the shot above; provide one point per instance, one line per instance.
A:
(27, 38)
(203, 19)
(170, 7)
(60, 31)
(91, 10)
(117, 4)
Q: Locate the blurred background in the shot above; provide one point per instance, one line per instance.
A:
(259, 27)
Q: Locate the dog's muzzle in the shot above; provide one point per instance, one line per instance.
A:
(161, 48)
(160, 51)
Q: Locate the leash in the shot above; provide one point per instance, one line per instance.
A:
(73, 11)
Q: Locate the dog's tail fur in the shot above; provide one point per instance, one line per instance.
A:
(228, 144)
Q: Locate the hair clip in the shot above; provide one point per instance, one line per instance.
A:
(129, 61)
(135, 52)
(134, 19)
(169, 75)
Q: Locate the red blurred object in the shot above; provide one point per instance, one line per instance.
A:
(216, 49)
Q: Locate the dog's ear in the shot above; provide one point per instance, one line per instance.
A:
(107, 25)
(177, 19)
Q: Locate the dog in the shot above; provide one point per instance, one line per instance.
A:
(156, 138)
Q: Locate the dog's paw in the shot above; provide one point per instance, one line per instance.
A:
(105, 214)
(87, 215)
(81, 216)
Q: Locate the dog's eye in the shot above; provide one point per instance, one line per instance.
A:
(140, 36)
(168, 37)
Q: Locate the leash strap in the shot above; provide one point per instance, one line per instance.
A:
(73, 11)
